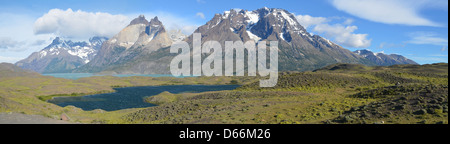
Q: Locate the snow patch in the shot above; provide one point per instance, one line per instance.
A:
(303, 33)
(56, 52)
(126, 44)
(226, 14)
(217, 23)
(149, 40)
(379, 53)
(253, 18)
(253, 36)
(113, 41)
(281, 36)
(81, 52)
(329, 42)
(288, 18)
(42, 54)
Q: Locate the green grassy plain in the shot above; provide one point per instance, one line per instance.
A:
(336, 94)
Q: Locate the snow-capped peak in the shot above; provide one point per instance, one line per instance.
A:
(379, 53)
(282, 23)
(285, 16)
(253, 18)
(84, 50)
(364, 53)
(226, 14)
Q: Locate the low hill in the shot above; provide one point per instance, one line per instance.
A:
(344, 67)
(10, 70)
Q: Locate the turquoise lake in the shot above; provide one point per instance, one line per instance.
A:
(75, 76)
(131, 97)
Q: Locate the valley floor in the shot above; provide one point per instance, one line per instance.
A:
(337, 94)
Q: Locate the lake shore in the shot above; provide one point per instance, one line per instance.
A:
(332, 95)
(132, 97)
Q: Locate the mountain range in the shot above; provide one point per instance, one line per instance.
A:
(143, 46)
(62, 56)
(382, 59)
(299, 50)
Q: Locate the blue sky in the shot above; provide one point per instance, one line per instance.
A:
(417, 29)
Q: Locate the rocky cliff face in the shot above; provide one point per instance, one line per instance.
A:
(62, 56)
(127, 51)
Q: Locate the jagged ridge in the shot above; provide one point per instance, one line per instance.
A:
(62, 56)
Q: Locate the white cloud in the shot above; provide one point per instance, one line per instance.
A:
(79, 24)
(7, 42)
(344, 35)
(201, 15)
(348, 21)
(341, 33)
(427, 38)
(17, 38)
(307, 20)
(405, 12)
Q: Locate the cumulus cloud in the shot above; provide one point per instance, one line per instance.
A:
(201, 15)
(405, 12)
(307, 20)
(82, 25)
(79, 24)
(342, 33)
